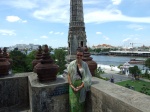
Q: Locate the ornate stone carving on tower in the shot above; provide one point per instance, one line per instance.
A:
(77, 34)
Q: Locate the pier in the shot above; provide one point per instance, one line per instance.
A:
(125, 53)
(130, 53)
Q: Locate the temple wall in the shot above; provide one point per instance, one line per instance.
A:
(18, 90)
(48, 96)
(14, 94)
(109, 97)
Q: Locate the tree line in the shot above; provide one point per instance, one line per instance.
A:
(22, 62)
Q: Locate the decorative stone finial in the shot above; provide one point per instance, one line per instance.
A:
(92, 64)
(1, 56)
(6, 55)
(38, 57)
(4, 65)
(46, 69)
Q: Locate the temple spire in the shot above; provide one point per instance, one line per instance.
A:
(77, 34)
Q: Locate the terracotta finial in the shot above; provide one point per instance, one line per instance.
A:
(0, 50)
(1, 53)
(46, 69)
(92, 64)
(46, 49)
(40, 49)
(4, 64)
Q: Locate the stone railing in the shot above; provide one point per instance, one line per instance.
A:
(109, 97)
(24, 92)
(14, 93)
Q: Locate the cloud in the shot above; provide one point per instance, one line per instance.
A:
(87, 2)
(136, 38)
(35, 39)
(101, 16)
(59, 33)
(44, 37)
(56, 33)
(51, 32)
(54, 11)
(135, 27)
(15, 19)
(106, 38)
(7, 32)
(127, 39)
(98, 33)
(58, 11)
(25, 4)
(116, 2)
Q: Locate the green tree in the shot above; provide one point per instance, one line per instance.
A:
(29, 59)
(146, 74)
(135, 71)
(98, 50)
(19, 61)
(59, 56)
(147, 63)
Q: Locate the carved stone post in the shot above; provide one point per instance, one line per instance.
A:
(4, 65)
(38, 57)
(6, 55)
(46, 69)
(92, 64)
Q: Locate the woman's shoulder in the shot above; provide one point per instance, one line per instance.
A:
(72, 62)
(84, 63)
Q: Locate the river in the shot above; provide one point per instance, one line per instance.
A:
(113, 60)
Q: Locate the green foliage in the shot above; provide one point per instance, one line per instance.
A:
(19, 61)
(138, 85)
(23, 62)
(29, 59)
(147, 63)
(106, 50)
(98, 73)
(134, 70)
(59, 56)
(90, 50)
(146, 74)
(120, 65)
(145, 89)
(98, 50)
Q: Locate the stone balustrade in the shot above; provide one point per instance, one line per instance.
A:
(24, 92)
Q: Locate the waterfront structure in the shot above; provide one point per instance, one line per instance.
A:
(130, 53)
(76, 34)
(103, 46)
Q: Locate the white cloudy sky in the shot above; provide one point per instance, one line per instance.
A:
(114, 22)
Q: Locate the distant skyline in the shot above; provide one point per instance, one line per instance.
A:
(113, 22)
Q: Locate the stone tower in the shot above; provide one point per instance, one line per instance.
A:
(77, 34)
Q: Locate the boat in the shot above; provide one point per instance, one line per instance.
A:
(136, 61)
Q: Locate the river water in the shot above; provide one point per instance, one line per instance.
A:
(113, 60)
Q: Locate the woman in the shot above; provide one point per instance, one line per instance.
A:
(79, 78)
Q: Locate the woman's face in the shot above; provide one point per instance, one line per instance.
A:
(79, 55)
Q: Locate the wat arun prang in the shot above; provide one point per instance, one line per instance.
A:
(77, 34)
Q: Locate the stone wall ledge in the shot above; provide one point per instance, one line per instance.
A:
(109, 97)
(103, 97)
(14, 93)
(17, 75)
(34, 82)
